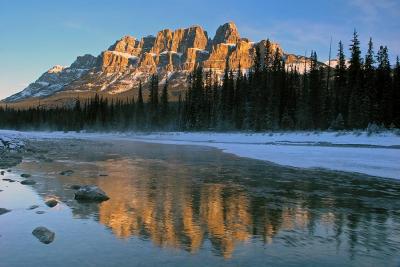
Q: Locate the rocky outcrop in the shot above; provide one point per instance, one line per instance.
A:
(10, 151)
(180, 40)
(84, 62)
(128, 45)
(227, 33)
(147, 63)
(242, 55)
(218, 56)
(114, 61)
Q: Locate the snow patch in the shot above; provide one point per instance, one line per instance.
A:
(377, 155)
(126, 55)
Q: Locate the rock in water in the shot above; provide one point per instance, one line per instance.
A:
(40, 212)
(33, 207)
(2, 172)
(3, 210)
(43, 234)
(25, 175)
(28, 182)
(67, 172)
(51, 203)
(91, 193)
(75, 186)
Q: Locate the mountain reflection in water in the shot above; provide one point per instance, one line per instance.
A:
(172, 211)
(184, 197)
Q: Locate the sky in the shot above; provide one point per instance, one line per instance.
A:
(36, 35)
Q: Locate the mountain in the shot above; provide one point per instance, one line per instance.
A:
(117, 71)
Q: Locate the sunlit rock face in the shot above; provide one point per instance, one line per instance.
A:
(227, 33)
(170, 53)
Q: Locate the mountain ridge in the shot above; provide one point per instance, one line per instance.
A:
(172, 54)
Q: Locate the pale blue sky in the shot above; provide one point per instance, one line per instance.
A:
(35, 35)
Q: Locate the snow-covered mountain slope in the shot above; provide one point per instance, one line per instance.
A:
(170, 54)
(55, 79)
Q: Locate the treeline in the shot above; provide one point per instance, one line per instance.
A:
(270, 96)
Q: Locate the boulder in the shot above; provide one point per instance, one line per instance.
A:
(25, 175)
(43, 234)
(51, 203)
(67, 172)
(90, 193)
(28, 182)
(33, 207)
(75, 186)
(3, 211)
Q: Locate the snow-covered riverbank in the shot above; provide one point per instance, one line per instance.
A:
(377, 155)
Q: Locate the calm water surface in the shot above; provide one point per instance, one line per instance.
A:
(193, 206)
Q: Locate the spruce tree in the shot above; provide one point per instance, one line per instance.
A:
(396, 93)
(369, 104)
(384, 86)
(164, 105)
(340, 85)
(315, 92)
(153, 102)
(354, 92)
(239, 101)
(140, 115)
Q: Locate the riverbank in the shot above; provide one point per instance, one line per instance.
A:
(376, 155)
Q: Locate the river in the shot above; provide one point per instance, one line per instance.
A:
(175, 205)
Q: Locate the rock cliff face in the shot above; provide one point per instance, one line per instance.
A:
(227, 33)
(170, 54)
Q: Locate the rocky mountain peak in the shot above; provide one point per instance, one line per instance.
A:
(84, 62)
(56, 69)
(170, 53)
(127, 44)
(227, 33)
